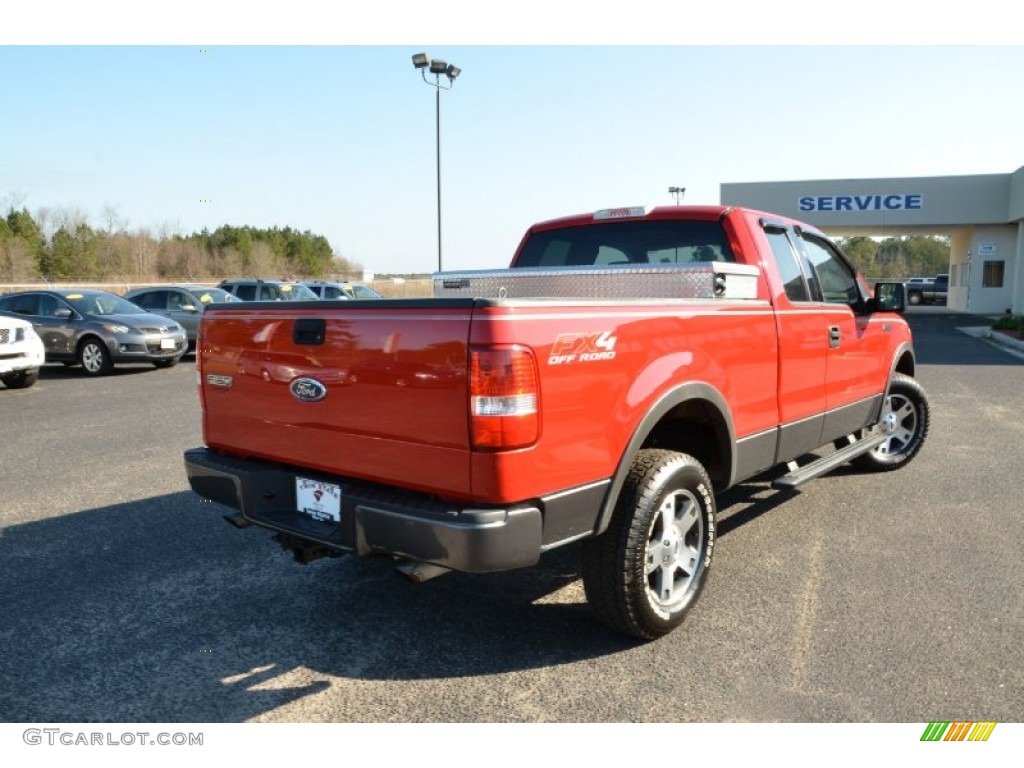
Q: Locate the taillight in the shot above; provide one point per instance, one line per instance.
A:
(503, 398)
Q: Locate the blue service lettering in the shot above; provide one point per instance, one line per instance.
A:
(901, 202)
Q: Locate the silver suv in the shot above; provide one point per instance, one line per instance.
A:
(350, 291)
(255, 289)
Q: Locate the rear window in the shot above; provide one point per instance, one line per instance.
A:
(627, 243)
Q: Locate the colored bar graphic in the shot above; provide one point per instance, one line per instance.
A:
(982, 731)
(959, 730)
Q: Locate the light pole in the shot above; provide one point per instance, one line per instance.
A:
(678, 192)
(437, 68)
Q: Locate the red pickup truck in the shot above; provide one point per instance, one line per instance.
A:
(630, 365)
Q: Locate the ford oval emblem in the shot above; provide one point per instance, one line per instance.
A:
(308, 390)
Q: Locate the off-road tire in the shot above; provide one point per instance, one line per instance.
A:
(644, 573)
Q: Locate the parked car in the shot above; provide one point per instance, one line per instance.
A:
(182, 303)
(328, 290)
(21, 352)
(97, 329)
(255, 289)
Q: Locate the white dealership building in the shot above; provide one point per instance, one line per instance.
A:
(982, 215)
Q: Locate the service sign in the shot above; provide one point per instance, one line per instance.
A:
(868, 202)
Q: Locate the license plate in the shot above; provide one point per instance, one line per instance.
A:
(166, 343)
(319, 500)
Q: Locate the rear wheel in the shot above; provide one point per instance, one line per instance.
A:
(20, 379)
(913, 297)
(645, 572)
(905, 421)
(94, 357)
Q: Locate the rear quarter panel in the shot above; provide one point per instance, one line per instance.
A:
(591, 408)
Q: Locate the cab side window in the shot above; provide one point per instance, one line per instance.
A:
(787, 261)
(838, 282)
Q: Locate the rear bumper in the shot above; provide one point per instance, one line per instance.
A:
(374, 518)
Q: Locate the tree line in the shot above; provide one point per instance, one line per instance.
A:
(65, 247)
(36, 248)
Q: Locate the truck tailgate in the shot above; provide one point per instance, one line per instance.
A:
(376, 388)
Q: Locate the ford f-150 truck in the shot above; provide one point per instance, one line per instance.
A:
(630, 365)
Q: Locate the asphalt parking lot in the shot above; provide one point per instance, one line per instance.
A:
(891, 597)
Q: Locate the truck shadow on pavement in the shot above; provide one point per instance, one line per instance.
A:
(158, 611)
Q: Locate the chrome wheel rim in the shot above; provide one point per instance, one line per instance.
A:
(899, 425)
(673, 553)
(92, 358)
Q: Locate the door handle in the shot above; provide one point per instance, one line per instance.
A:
(835, 336)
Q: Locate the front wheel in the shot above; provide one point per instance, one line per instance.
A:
(94, 357)
(905, 420)
(643, 574)
(913, 298)
(21, 379)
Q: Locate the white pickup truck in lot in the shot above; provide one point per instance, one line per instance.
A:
(21, 352)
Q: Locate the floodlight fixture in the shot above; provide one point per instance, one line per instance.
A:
(437, 67)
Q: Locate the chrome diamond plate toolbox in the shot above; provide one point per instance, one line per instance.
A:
(704, 280)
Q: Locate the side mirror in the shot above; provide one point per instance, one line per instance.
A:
(889, 297)
(188, 308)
(62, 314)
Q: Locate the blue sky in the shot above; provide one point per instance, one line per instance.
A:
(339, 139)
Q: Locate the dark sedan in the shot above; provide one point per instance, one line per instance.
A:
(97, 329)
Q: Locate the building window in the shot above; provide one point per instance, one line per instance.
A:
(992, 275)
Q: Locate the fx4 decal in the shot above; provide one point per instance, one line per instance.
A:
(582, 347)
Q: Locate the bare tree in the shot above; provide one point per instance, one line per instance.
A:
(69, 218)
(262, 260)
(13, 200)
(145, 254)
(115, 222)
(16, 262)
